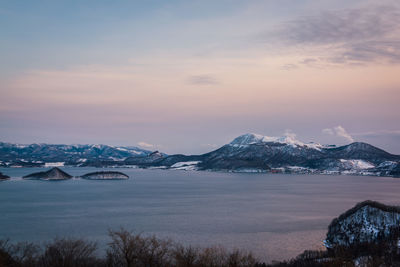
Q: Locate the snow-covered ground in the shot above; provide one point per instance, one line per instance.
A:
(185, 165)
(364, 225)
(356, 164)
(54, 164)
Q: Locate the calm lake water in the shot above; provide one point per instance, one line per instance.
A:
(274, 216)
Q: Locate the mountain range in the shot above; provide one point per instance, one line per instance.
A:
(246, 153)
(37, 155)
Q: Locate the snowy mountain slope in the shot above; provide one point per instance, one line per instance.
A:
(263, 153)
(39, 154)
(251, 138)
(246, 153)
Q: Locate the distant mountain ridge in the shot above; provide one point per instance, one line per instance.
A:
(59, 154)
(246, 153)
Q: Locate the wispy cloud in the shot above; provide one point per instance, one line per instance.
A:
(289, 133)
(338, 131)
(328, 131)
(203, 80)
(289, 67)
(146, 145)
(378, 133)
(363, 35)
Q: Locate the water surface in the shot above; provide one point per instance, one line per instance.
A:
(274, 216)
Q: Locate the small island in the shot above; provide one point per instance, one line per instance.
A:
(105, 175)
(4, 177)
(54, 174)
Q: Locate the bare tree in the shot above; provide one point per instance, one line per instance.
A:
(156, 253)
(123, 248)
(25, 253)
(213, 257)
(239, 258)
(69, 253)
(186, 256)
(128, 249)
(5, 257)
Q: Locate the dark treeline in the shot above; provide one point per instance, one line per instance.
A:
(127, 249)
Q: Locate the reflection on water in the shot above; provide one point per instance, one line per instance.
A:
(274, 216)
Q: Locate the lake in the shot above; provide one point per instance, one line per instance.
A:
(275, 216)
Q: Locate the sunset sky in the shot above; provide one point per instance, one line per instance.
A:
(189, 76)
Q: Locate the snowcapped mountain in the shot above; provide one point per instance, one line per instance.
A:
(257, 153)
(58, 155)
(251, 138)
(246, 153)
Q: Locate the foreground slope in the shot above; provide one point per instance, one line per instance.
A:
(366, 235)
(367, 222)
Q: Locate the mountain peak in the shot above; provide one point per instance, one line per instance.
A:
(288, 139)
(247, 139)
(358, 145)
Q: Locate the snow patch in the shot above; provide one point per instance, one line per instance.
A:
(187, 168)
(54, 164)
(185, 163)
(122, 149)
(20, 146)
(357, 163)
(127, 149)
(248, 170)
(117, 159)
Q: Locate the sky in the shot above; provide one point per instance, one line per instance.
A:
(189, 76)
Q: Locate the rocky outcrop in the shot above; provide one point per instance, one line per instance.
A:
(4, 177)
(105, 175)
(53, 174)
(367, 222)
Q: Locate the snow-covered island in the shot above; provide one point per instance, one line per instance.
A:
(105, 175)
